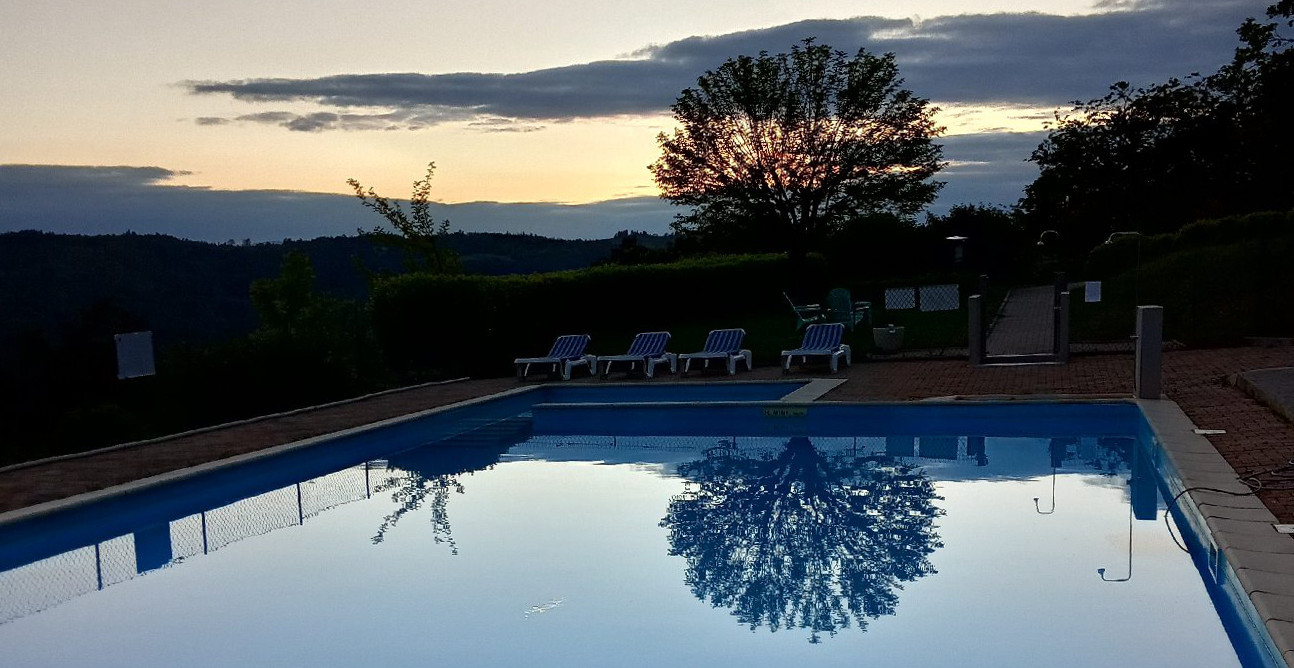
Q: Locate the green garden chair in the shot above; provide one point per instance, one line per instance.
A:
(842, 308)
(807, 314)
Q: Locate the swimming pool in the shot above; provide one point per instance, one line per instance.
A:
(586, 528)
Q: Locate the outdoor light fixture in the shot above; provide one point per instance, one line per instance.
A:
(958, 250)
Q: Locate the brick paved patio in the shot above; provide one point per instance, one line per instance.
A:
(1256, 438)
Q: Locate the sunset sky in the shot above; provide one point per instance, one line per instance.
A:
(201, 110)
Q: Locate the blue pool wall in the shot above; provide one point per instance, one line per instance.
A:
(100, 516)
(998, 419)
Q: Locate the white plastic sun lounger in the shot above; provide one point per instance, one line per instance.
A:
(821, 340)
(566, 354)
(721, 344)
(648, 349)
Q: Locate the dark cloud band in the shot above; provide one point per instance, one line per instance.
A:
(1030, 58)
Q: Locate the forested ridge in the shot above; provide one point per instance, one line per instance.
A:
(191, 291)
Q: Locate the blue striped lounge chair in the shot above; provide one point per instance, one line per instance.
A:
(647, 349)
(721, 344)
(566, 354)
(821, 340)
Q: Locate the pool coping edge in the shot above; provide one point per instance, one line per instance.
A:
(1240, 526)
(134, 486)
(125, 489)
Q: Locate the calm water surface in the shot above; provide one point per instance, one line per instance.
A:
(592, 551)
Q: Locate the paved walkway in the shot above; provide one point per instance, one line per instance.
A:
(1024, 326)
(1256, 438)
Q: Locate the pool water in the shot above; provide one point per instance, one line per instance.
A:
(511, 545)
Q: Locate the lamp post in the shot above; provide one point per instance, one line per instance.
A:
(1101, 571)
(959, 248)
(1136, 267)
(1037, 508)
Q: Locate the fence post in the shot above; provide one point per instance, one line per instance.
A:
(1150, 352)
(975, 328)
(1060, 337)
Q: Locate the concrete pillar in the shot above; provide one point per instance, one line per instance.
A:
(1150, 352)
(975, 328)
(1060, 337)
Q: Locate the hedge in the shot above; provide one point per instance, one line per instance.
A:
(1211, 294)
(1108, 260)
(436, 325)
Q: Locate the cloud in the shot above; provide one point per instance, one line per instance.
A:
(1021, 58)
(15, 179)
(987, 168)
(503, 125)
(110, 200)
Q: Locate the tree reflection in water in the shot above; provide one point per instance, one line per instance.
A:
(805, 540)
(410, 493)
(432, 473)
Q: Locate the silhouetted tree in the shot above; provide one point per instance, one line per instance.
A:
(803, 540)
(996, 242)
(417, 234)
(776, 150)
(629, 250)
(1153, 159)
(312, 344)
(283, 303)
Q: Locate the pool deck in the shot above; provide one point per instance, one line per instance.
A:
(1245, 393)
(1203, 382)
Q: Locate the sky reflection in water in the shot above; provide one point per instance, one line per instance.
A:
(648, 551)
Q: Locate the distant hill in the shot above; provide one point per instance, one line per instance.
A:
(190, 291)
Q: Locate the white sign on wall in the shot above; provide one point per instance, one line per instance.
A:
(1092, 293)
(135, 355)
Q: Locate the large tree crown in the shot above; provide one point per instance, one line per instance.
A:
(804, 141)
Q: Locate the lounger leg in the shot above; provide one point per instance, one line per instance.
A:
(849, 355)
(786, 364)
(750, 360)
(732, 365)
(835, 361)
